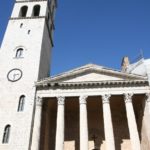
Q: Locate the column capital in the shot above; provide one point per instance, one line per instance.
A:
(106, 98)
(60, 100)
(39, 101)
(82, 99)
(128, 97)
(147, 96)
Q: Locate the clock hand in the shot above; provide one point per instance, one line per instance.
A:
(14, 75)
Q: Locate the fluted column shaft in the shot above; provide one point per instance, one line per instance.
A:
(59, 145)
(37, 125)
(83, 123)
(134, 136)
(109, 135)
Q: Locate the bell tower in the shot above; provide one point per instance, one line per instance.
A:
(24, 58)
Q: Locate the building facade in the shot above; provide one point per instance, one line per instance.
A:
(88, 108)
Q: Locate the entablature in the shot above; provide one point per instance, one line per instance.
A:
(93, 88)
(113, 83)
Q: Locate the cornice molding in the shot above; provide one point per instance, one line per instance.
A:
(114, 83)
(29, 1)
(19, 18)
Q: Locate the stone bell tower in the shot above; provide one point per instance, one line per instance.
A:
(24, 59)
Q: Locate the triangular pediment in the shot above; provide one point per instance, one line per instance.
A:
(91, 76)
(92, 73)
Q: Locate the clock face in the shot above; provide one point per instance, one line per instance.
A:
(14, 75)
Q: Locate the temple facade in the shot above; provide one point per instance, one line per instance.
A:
(93, 108)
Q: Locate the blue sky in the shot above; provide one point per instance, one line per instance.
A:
(95, 31)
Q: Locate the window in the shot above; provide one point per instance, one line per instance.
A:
(19, 53)
(6, 134)
(21, 25)
(29, 31)
(23, 11)
(36, 11)
(21, 103)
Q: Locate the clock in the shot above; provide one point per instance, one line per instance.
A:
(14, 75)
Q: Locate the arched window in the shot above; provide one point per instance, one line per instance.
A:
(6, 134)
(19, 53)
(36, 11)
(21, 103)
(23, 11)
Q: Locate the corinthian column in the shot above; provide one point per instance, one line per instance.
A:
(134, 136)
(148, 101)
(37, 125)
(109, 135)
(59, 145)
(146, 119)
(83, 123)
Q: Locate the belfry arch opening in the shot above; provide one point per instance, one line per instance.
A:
(36, 11)
(23, 11)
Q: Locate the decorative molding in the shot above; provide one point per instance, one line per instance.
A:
(83, 99)
(128, 97)
(110, 83)
(93, 68)
(60, 100)
(28, 1)
(39, 101)
(106, 98)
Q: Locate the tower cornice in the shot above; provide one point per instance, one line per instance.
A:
(25, 1)
(30, 1)
(16, 18)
